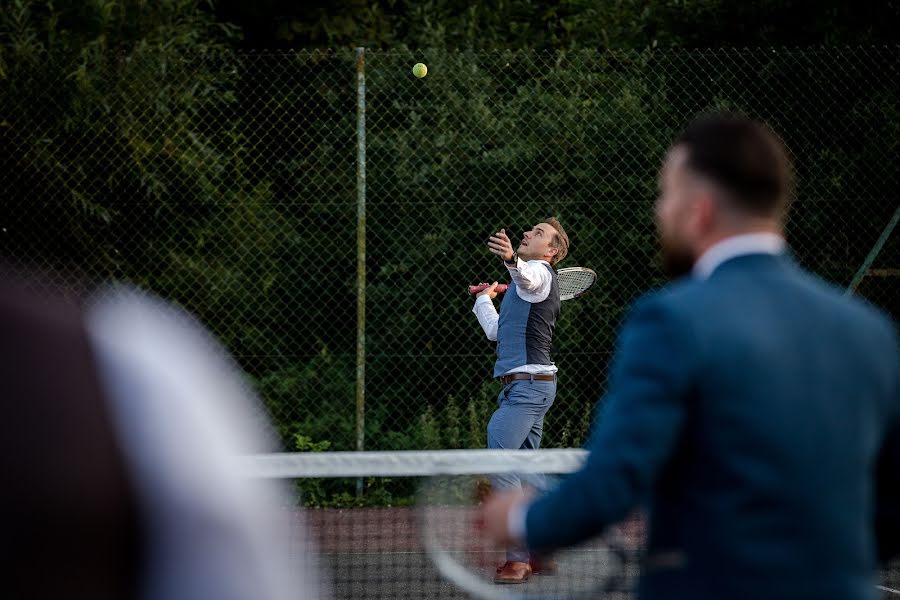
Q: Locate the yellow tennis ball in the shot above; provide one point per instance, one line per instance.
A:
(420, 70)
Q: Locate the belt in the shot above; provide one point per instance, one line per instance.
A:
(506, 379)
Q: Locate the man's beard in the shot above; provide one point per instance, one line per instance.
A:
(676, 260)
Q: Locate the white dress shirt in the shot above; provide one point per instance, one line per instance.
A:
(533, 284)
(738, 245)
(709, 261)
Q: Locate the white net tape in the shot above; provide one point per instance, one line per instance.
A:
(413, 463)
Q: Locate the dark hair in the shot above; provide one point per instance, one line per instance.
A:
(560, 240)
(744, 157)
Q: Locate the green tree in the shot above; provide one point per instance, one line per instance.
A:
(561, 24)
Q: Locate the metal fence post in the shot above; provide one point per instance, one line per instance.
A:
(873, 253)
(360, 252)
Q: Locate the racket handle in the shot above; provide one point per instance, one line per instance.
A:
(474, 289)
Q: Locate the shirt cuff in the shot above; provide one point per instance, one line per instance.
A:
(481, 300)
(515, 521)
(514, 266)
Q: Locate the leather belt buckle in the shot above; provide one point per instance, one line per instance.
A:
(507, 379)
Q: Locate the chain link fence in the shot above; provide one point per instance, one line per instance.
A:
(229, 183)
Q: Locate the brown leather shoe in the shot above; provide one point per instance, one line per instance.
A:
(543, 566)
(513, 571)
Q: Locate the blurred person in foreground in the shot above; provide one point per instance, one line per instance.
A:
(123, 428)
(749, 405)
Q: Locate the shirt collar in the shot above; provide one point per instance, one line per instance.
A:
(738, 245)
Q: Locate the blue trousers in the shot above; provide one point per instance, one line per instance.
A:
(518, 424)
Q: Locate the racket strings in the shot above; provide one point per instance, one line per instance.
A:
(573, 283)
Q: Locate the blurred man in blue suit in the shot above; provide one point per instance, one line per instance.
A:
(750, 404)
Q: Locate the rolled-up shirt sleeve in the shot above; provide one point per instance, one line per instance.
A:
(487, 316)
(533, 279)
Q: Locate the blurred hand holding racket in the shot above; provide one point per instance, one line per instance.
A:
(462, 541)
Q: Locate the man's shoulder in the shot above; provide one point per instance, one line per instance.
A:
(697, 299)
(539, 262)
(855, 325)
(877, 321)
(851, 306)
(542, 270)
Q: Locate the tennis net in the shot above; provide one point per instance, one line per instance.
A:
(364, 520)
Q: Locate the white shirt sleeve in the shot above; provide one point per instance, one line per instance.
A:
(533, 279)
(487, 316)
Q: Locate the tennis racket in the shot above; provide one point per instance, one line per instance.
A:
(448, 510)
(573, 282)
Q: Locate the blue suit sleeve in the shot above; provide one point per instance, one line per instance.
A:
(636, 434)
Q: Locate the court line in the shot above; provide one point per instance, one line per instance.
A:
(887, 589)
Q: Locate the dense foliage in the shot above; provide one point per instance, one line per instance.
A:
(140, 141)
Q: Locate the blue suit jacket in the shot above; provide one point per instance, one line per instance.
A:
(747, 413)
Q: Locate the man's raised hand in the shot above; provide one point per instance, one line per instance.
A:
(500, 245)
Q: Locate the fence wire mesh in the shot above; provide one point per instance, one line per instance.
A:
(228, 182)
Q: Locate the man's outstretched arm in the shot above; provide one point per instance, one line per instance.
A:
(639, 428)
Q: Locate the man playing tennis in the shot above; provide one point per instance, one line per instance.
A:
(749, 402)
(523, 331)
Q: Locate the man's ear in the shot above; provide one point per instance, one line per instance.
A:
(705, 213)
(552, 251)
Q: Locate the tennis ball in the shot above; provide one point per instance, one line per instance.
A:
(420, 70)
